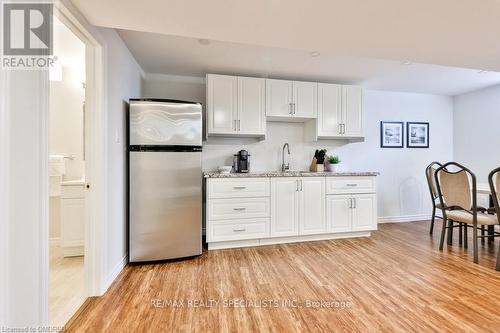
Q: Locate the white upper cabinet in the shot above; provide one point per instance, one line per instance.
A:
(329, 110)
(251, 106)
(305, 99)
(340, 111)
(235, 105)
(291, 100)
(222, 94)
(352, 116)
(279, 100)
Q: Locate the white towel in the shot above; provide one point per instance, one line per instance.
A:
(56, 166)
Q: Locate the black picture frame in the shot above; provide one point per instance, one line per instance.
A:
(411, 141)
(383, 141)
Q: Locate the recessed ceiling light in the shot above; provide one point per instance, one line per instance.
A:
(314, 54)
(204, 41)
(482, 72)
(406, 63)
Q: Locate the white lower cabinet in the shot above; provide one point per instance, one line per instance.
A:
(270, 210)
(312, 206)
(353, 212)
(284, 206)
(338, 213)
(297, 206)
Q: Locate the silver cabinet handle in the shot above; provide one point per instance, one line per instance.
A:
(239, 125)
(350, 203)
(296, 185)
(351, 185)
(294, 108)
(340, 128)
(290, 107)
(343, 128)
(239, 208)
(301, 185)
(239, 187)
(239, 230)
(355, 203)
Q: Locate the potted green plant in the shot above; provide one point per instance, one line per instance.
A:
(332, 163)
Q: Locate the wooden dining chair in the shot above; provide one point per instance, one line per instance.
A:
(458, 196)
(429, 173)
(494, 181)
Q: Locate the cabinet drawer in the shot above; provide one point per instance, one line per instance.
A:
(224, 209)
(238, 229)
(238, 187)
(338, 185)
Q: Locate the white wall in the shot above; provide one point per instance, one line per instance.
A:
(24, 188)
(476, 131)
(123, 82)
(402, 186)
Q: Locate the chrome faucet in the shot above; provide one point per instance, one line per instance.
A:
(285, 167)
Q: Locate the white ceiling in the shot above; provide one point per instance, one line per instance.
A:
(459, 33)
(165, 54)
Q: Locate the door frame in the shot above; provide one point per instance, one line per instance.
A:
(96, 161)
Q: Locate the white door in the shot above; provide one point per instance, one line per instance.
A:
(365, 212)
(278, 98)
(352, 110)
(305, 99)
(222, 105)
(284, 206)
(329, 110)
(312, 205)
(338, 213)
(251, 106)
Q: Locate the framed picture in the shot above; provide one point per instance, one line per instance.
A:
(391, 134)
(417, 135)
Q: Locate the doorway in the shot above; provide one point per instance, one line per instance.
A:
(67, 177)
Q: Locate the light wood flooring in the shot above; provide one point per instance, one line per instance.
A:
(66, 286)
(395, 281)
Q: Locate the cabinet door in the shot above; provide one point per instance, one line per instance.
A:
(284, 206)
(278, 98)
(305, 99)
(251, 106)
(329, 110)
(352, 110)
(222, 105)
(365, 212)
(72, 226)
(312, 205)
(338, 213)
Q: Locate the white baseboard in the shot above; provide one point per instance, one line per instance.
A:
(115, 272)
(284, 240)
(404, 218)
(54, 241)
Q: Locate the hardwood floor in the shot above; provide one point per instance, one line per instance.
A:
(395, 281)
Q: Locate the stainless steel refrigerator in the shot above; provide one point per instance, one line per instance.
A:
(165, 179)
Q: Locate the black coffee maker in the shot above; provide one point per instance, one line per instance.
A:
(242, 161)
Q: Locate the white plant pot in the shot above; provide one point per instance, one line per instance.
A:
(334, 167)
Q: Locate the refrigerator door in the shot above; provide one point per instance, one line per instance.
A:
(165, 205)
(165, 123)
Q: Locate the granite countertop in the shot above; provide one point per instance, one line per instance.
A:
(216, 174)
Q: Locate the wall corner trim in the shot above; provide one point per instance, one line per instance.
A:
(114, 273)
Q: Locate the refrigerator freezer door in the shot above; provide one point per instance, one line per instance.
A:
(165, 123)
(165, 205)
